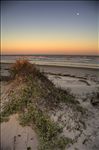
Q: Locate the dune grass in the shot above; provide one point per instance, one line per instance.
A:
(32, 102)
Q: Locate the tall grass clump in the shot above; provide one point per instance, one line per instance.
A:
(23, 68)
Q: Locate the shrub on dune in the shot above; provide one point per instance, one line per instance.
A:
(23, 68)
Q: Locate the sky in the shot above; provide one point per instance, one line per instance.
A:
(49, 27)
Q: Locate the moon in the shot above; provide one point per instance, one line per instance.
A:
(77, 13)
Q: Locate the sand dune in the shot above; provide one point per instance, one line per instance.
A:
(16, 137)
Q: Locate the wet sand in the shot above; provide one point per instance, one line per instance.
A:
(73, 71)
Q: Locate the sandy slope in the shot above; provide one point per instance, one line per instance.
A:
(89, 138)
(16, 137)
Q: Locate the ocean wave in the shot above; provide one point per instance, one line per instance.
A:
(65, 61)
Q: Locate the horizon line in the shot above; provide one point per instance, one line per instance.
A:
(49, 54)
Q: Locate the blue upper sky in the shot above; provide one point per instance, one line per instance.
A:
(60, 25)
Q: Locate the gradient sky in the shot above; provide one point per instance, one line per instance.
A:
(54, 27)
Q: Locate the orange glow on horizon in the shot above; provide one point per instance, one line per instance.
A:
(49, 46)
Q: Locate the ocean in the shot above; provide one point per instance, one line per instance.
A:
(56, 60)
